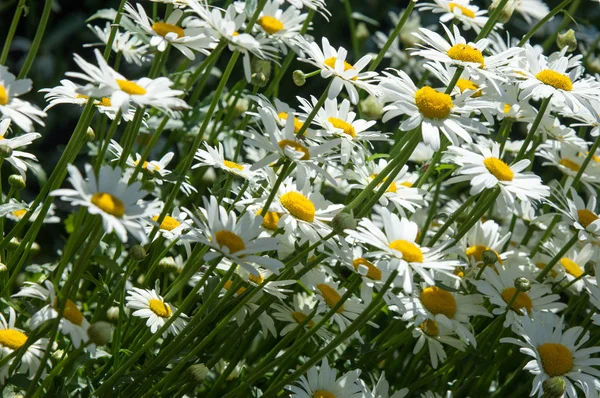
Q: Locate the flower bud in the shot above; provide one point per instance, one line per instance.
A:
(35, 248)
(489, 257)
(167, 262)
(362, 33)
(506, 12)
(343, 221)
(58, 355)
(240, 105)
(299, 78)
(371, 108)
(137, 253)
(112, 314)
(261, 72)
(554, 387)
(16, 181)
(13, 244)
(5, 151)
(90, 135)
(522, 284)
(568, 40)
(3, 268)
(100, 332)
(198, 372)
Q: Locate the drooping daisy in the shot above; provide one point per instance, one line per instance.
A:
(436, 336)
(470, 15)
(15, 210)
(72, 322)
(215, 157)
(484, 169)
(104, 81)
(132, 47)
(302, 307)
(333, 64)
(323, 382)
(14, 144)
(557, 353)
(396, 241)
(11, 339)
(11, 107)
(148, 304)
(120, 205)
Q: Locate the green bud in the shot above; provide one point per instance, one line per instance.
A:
(59, 355)
(568, 40)
(5, 151)
(554, 387)
(362, 32)
(240, 105)
(489, 257)
(167, 262)
(16, 181)
(13, 244)
(522, 284)
(112, 314)
(137, 253)
(506, 12)
(35, 248)
(343, 221)
(371, 108)
(3, 268)
(100, 332)
(299, 78)
(198, 372)
(260, 72)
(90, 135)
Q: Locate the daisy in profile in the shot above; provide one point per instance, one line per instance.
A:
(462, 10)
(333, 64)
(21, 112)
(214, 157)
(72, 322)
(302, 307)
(571, 267)
(435, 336)
(484, 169)
(396, 242)
(163, 33)
(14, 155)
(498, 285)
(15, 210)
(584, 217)
(279, 111)
(429, 108)
(131, 46)
(557, 353)
(104, 81)
(120, 206)
(149, 305)
(235, 238)
(11, 339)
(323, 382)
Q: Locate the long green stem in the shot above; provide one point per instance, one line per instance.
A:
(557, 257)
(393, 35)
(542, 21)
(37, 40)
(11, 31)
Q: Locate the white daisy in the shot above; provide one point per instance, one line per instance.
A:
(323, 382)
(215, 157)
(279, 24)
(148, 304)
(436, 336)
(302, 307)
(14, 144)
(11, 107)
(128, 44)
(470, 15)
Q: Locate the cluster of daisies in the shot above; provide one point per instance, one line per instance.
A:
(425, 229)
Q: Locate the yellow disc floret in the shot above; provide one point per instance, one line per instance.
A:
(569, 164)
(331, 63)
(586, 217)
(12, 338)
(410, 252)
(323, 394)
(430, 328)
(230, 240)
(438, 301)
(109, 203)
(270, 24)
(330, 296)
(347, 128)
(130, 87)
(296, 146)
(297, 123)
(168, 223)
(464, 84)
(270, 219)
(556, 359)
(372, 273)
(466, 53)
(299, 206)
(523, 301)
(162, 29)
(233, 165)
(3, 95)
(571, 267)
(299, 317)
(391, 188)
(555, 79)
(499, 169)
(464, 10)
(476, 252)
(160, 308)
(433, 104)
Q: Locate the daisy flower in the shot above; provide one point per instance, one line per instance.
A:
(462, 10)
(11, 107)
(279, 112)
(484, 169)
(215, 157)
(557, 353)
(396, 241)
(532, 10)
(434, 111)
(582, 216)
(119, 205)
(302, 307)
(317, 5)
(323, 382)
(436, 336)
(126, 43)
(104, 81)
(332, 63)
(572, 265)
(14, 144)
(148, 304)
(15, 210)
(72, 322)
(279, 24)
(11, 339)
(484, 236)
(236, 239)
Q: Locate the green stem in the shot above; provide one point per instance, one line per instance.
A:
(11, 31)
(313, 113)
(533, 129)
(542, 21)
(37, 40)
(587, 161)
(393, 35)
(557, 257)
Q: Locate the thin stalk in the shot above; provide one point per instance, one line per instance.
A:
(533, 129)
(542, 21)
(557, 257)
(587, 161)
(37, 40)
(11, 31)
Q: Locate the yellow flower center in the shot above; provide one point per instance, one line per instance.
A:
(270, 24)
(230, 240)
(3, 95)
(569, 164)
(372, 273)
(323, 394)
(438, 301)
(297, 123)
(330, 296)
(555, 79)
(296, 147)
(466, 53)
(556, 359)
(109, 203)
(507, 108)
(299, 206)
(430, 328)
(340, 124)
(160, 308)
(499, 169)
(105, 101)
(331, 63)
(71, 313)
(571, 267)
(464, 10)
(19, 213)
(299, 317)
(270, 219)
(477, 252)
(464, 84)
(168, 223)
(163, 29)
(407, 184)
(130, 87)
(12, 338)
(392, 188)
(522, 301)
(432, 103)
(257, 279)
(233, 165)
(410, 252)
(586, 217)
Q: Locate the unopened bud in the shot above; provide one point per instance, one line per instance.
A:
(90, 135)
(299, 78)
(112, 314)
(100, 332)
(199, 372)
(568, 40)
(137, 253)
(167, 262)
(35, 248)
(554, 387)
(58, 355)
(489, 257)
(371, 108)
(5, 151)
(13, 244)
(362, 33)
(3, 268)
(522, 284)
(240, 105)
(506, 12)
(343, 221)
(16, 181)
(261, 72)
